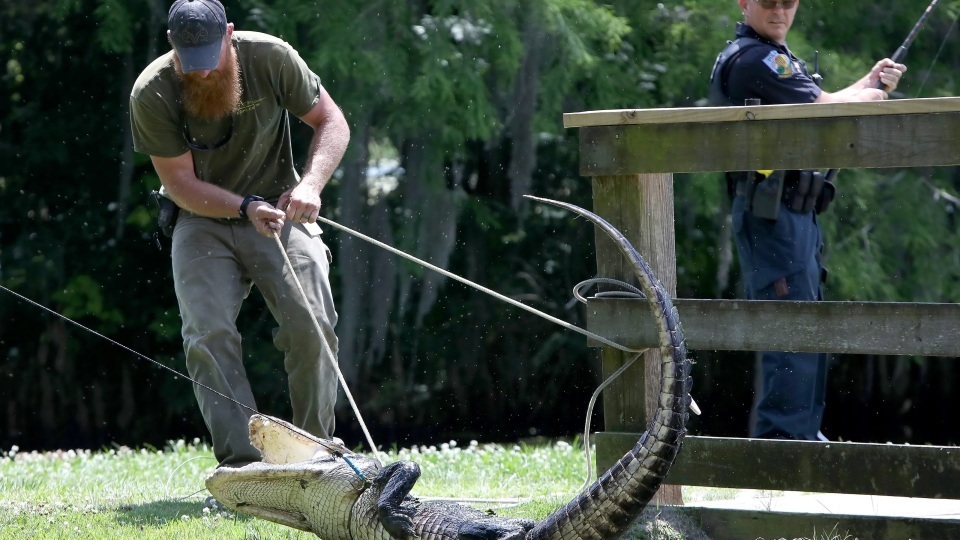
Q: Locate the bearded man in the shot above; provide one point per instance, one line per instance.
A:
(213, 115)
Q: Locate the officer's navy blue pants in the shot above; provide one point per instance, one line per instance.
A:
(790, 402)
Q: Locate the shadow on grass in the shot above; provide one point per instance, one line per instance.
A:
(159, 513)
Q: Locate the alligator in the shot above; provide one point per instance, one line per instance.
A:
(320, 486)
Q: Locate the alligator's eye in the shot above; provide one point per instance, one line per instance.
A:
(304, 484)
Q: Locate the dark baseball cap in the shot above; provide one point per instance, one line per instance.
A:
(196, 29)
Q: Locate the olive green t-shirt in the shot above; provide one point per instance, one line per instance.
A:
(248, 153)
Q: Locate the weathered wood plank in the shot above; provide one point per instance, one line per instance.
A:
(723, 523)
(619, 117)
(740, 325)
(894, 140)
(931, 472)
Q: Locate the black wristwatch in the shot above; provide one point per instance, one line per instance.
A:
(246, 202)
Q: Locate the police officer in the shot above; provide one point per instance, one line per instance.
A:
(775, 212)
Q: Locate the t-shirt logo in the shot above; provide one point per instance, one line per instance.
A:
(249, 105)
(780, 64)
(193, 33)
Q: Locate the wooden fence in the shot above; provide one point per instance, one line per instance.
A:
(631, 156)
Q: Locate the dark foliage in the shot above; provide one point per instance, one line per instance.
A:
(432, 359)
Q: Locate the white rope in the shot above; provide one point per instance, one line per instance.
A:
(632, 290)
(481, 288)
(586, 426)
(328, 352)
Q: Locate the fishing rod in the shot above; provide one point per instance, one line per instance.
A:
(897, 57)
(124, 347)
(329, 445)
(901, 51)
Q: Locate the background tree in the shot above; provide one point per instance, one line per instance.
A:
(455, 108)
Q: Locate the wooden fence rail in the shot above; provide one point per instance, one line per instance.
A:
(631, 156)
(892, 328)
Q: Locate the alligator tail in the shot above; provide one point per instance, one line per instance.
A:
(616, 499)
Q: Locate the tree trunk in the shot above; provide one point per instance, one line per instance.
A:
(353, 255)
(126, 152)
(523, 158)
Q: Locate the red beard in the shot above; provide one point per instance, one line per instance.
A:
(215, 96)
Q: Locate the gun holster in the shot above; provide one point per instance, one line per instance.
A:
(764, 194)
(167, 213)
(826, 197)
(808, 191)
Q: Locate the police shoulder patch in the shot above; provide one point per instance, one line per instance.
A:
(779, 63)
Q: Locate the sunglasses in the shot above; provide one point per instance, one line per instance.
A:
(193, 145)
(772, 4)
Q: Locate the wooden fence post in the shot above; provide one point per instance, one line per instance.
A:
(631, 156)
(641, 207)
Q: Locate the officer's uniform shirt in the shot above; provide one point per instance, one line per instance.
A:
(767, 71)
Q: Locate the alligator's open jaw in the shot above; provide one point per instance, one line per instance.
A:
(283, 443)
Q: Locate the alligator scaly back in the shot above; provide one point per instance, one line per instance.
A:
(618, 497)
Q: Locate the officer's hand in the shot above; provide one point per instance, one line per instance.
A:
(267, 219)
(888, 73)
(301, 203)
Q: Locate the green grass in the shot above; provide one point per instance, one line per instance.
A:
(152, 494)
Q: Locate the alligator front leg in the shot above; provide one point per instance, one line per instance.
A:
(394, 483)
